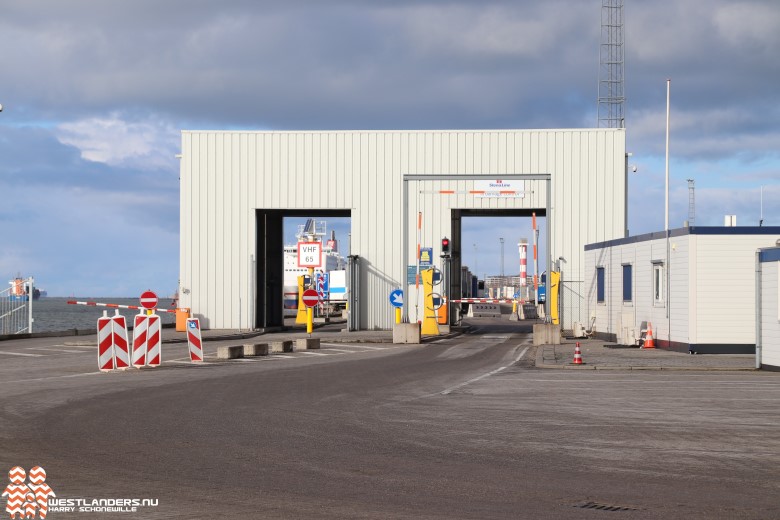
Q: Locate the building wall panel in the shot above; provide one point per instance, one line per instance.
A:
(770, 313)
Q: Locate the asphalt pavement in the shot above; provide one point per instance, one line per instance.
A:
(596, 354)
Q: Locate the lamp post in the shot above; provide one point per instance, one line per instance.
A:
(502, 256)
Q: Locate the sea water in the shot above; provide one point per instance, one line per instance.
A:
(55, 314)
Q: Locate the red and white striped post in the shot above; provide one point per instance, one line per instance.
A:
(523, 249)
(194, 340)
(146, 340)
(140, 330)
(536, 267)
(153, 341)
(121, 345)
(105, 343)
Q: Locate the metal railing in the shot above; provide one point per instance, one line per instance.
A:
(16, 309)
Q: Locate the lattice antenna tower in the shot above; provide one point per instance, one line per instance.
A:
(691, 203)
(611, 96)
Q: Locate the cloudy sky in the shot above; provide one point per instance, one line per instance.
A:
(95, 94)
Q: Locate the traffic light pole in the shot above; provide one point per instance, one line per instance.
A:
(446, 259)
(445, 256)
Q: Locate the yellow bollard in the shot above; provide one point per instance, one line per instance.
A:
(514, 307)
(397, 315)
(309, 319)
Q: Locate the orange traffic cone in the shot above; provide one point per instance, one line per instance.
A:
(577, 354)
(649, 342)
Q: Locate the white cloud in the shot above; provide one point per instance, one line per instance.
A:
(149, 144)
(749, 25)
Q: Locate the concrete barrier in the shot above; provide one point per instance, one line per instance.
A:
(547, 334)
(307, 343)
(256, 349)
(277, 347)
(230, 352)
(406, 333)
(529, 311)
(481, 310)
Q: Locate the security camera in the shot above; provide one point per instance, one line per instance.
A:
(633, 168)
(1, 108)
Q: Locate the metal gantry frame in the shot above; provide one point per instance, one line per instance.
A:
(471, 177)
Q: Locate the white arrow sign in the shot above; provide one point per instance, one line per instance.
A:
(397, 298)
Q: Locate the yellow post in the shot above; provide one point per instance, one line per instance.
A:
(300, 318)
(552, 294)
(514, 307)
(309, 319)
(429, 325)
(398, 315)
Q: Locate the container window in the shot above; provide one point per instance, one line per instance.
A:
(658, 283)
(627, 287)
(600, 285)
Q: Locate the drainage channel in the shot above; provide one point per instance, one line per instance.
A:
(604, 507)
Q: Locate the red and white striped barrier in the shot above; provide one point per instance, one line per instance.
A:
(194, 340)
(116, 306)
(121, 344)
(105, 343)
(140, 329)
(146, 340)
(154, 340)
(113, 348)
(487, 300)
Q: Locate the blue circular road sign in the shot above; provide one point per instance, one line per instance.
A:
(397, 298)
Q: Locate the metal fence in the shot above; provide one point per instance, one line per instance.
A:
(16, 309)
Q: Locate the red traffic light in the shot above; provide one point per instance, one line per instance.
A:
(445, 245)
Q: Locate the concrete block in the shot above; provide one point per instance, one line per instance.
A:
(547, 334)
(483, 310)
(406, 333)
(256, 349)
(230, 352)
(277, 347)
(307, 343)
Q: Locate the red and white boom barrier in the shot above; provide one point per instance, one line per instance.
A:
(117, 306)
(487, 300)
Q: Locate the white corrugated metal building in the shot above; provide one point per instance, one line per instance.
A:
(237, 186)
(709, 293)
(768, 314)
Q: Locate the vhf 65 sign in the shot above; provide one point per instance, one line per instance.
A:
(309, 254)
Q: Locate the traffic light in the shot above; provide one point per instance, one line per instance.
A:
(445, 246)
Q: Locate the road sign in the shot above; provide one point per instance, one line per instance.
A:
(148, 300)
(309, 254)
(426, 256)
(310, 297)
(397, 298)
(323, 285)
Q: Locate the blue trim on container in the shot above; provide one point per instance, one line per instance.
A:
(696, 230)
(769, 255)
